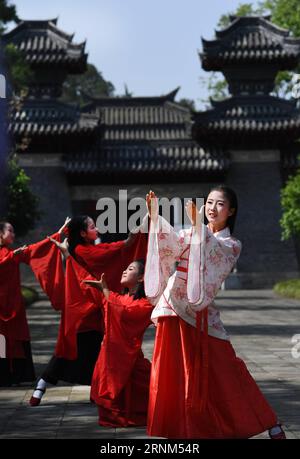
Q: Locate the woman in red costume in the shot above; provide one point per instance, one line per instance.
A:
(81, 326)
(45, 261)
(120, 385)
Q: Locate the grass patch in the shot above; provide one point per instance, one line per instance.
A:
(289, 288)
(30, 295)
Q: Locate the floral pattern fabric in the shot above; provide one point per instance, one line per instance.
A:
(185, 271)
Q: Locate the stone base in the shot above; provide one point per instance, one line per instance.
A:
(257, 280)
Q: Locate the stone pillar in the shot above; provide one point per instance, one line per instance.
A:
(265, 259)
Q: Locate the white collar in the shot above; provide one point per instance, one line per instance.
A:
(225, 232)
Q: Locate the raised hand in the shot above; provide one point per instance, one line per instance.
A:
(20, 250)
(62, 246)
(152, 205)
(191, 210)
(67, 221)
(98, 284)
(194, 215)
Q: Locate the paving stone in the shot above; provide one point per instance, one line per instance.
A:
(261, 326)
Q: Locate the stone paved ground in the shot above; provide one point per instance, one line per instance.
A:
(261, 326)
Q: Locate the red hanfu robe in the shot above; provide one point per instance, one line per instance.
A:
(45, 260)
(111, 258)
(81, 312)
(83, 304)
(120, 384)
(199, 388)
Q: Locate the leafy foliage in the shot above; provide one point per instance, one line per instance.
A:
(22, 210)
(18, 71)
(285, 14)
(7, 14)
(188, 103)
(217, 87)
(244, 9)
(78, 88)
(290, 202)
(288, 289)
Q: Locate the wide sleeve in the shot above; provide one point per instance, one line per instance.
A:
(136, 311)
(210, 262)
(45, 260)
(95, 256)
(81, 301)
(10, 295)
(111, 258)
(7, 261)
(125, 322)
(102, 258)
(164, 248)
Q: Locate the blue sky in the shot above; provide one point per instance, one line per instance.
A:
(151, 45)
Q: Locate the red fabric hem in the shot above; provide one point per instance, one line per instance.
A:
(234, 405)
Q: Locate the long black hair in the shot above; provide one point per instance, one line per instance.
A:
(231, 196)
(75, 226)
(140, 291)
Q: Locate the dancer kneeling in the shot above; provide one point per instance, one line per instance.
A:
(120, 383)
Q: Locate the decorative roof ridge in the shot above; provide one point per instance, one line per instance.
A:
(251, 21)
(47, 24)
(50, 102)
(54, 104)
(21, 21)
(134, 100)
(244, 100)
(178, 105)
(233, 17)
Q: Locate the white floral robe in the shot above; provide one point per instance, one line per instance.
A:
(204, 261)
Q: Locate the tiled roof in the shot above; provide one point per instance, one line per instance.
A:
(136, 160)
(142, 118)
(249, 117)
(50, 118)
(253, 40)
(44, 44)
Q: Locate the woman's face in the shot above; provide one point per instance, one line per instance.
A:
(7, 237)
(217, 209)
(131, 276)
(91, 233)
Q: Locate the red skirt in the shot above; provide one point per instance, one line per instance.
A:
(234, 406)
(130, 407)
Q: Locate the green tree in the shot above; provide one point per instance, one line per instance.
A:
(188, 103)
(284, 13)
(290, 202)
(217, 88)
(7, 14)
(78, 88)
(17, 71)
(244, 9)
(22, 211)
(20, 206)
